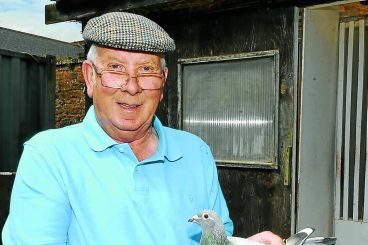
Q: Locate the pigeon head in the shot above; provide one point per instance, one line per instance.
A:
(206, 218)
(213, 230)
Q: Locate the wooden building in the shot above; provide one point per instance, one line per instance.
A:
(277, 88)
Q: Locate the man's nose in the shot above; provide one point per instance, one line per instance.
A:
(132, 86)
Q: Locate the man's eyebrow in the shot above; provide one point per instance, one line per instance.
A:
(147, 62)
(110, 58)
(113, 58)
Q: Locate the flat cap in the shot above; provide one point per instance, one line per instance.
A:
(127, 31)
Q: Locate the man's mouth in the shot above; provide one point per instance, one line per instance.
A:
(128, 106)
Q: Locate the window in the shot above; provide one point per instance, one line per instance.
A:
(231, 102)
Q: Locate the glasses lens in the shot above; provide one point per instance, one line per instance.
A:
(119, 80)
(114, 80)
(150, 81)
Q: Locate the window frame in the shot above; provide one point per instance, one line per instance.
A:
(240, 56)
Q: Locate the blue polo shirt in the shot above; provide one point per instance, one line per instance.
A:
(77, 186)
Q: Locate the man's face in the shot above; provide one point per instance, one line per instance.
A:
(125, 114)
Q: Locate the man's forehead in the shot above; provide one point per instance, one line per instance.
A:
(124, 56)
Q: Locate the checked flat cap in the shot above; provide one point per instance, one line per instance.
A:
(127, 31)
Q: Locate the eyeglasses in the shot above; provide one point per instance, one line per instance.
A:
(119, 79)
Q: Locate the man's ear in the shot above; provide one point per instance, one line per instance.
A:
(166, 72)
(87, 70)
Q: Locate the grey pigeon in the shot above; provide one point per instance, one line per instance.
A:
(213, 233)
(213, 230)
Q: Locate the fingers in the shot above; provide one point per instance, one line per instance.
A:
(268, 238)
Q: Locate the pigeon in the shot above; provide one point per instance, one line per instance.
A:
(213, 230)
(213, 233)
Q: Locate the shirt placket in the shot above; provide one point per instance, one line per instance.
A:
(139, 185)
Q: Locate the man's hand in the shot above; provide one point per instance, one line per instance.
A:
(268, 238)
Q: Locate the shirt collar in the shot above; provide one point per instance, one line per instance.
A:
(99, 140)
(167, 147)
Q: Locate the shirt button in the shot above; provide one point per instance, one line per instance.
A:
(121, 149)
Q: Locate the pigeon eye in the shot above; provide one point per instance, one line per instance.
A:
(205, 216)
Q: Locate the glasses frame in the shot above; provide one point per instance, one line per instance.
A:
(101, 72)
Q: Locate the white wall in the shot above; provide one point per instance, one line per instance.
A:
(315, 183)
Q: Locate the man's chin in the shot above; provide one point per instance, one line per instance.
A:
(130, 125)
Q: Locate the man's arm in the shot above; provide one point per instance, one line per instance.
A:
(216, 197)
(39, 206)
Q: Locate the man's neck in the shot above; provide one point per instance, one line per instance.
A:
(143, 142)
(145, 146)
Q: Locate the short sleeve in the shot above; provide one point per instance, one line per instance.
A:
(39, 206)
(216, 197)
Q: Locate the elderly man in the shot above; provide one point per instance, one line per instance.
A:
(119, 177)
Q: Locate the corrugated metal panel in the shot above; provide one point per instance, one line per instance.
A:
(6, 184)
(27, 94)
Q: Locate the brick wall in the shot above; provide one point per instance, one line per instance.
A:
(70, 98)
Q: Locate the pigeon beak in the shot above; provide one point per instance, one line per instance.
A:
(194, 219)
